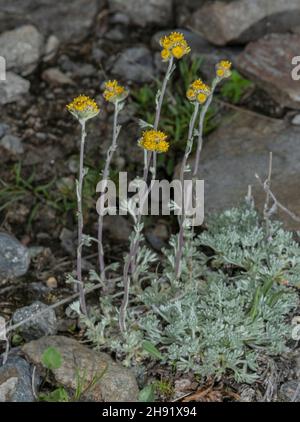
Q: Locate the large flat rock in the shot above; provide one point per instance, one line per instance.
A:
(268, 62)
(69, 20)
(117, 383)
(240, 148)
(144, 12)
(21, 48)
(244, 20)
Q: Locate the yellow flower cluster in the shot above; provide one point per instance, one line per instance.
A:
(174, 45)
(154, 140)
(198, 91)
(223, 69)
(83, 108)
(114, 92)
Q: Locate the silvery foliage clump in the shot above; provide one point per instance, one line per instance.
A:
(239, 239)
(226, 314)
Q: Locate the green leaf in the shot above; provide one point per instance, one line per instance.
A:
(147, 394)
(51, 358)
(151, 349)
(58, 395)
(235, 87)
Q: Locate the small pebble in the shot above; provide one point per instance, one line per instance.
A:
(51, 283)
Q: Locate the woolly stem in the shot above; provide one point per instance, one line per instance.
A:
(80, 221)
(134, 245)
(109, 156)
(201, 126)
(188, 149)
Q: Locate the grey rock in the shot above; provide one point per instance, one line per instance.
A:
(42, 325)
(117, 383)
(4, 128)
(85, 70)
(69, 20)
(14, 257)
(268, 63)
(242, 21)
(145, 12)
(191, 4)
(297, 363)
(22, 49)
(296, 120)
(115, 34)
(55, 76)
(98, 54)
(239, 149)
(51, 48)
(35, 251)
(117, 227)
(158, 236)
(68, 240)
(247, 394)
(15, 381)
(12, 144)
(156, 243)
(120, 18)
(134, 64)
(290, 391)
(13, 88)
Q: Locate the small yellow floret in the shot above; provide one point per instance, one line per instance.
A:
(83, 107)
(174, 45)
(198, 91)
(223, 69)
(178, 52)
(114, 92)
(165, 54)
(201, 98)
(154, 140)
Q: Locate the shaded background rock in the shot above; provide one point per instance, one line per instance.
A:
(117, 383)
(238, 150)
(13, 88)
(14, 257)
(22, 49)
(42, 325)
(15, 381)
(290, 391)
(70, 20)
(268, 62)
(243, 20)
(144, 12)
(134, 64)
(12, 144)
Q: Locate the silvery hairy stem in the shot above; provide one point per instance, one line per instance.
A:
(80, 221)
(134, 245)
(159, 104)
(158, 110)
(109, 156)
(201, 126)
(188, 150)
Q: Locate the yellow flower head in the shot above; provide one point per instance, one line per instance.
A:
(174, 45)
(114, 92)
(154, 140)
(198, 91)
(83, 108)
(223, 69)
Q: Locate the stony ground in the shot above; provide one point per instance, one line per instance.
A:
(56, 51)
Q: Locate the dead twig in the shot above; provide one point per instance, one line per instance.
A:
(270, 210)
